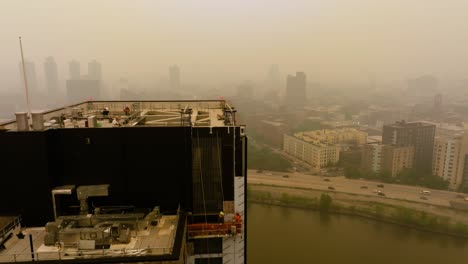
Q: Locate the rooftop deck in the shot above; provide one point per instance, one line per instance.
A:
(214, 113)
(155, 241)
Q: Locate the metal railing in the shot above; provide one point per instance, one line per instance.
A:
(201, 230)
(9, 227)
(77, 254)
(73, 252)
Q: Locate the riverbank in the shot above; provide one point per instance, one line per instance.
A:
(421, 219)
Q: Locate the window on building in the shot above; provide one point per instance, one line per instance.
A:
(209, 261)
(208, 246)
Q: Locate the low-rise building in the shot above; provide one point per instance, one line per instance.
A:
(272, 132)
(340, 136)
(314, 152)
(448, 130)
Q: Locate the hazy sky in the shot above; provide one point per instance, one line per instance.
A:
(331, 40)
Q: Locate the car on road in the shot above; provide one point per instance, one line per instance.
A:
(363, 187)
(269, 173)
(331, 188)
(285, 176)
(380, 185)
(426, 192)
(326, 179)
(423, 198)
(381, 194)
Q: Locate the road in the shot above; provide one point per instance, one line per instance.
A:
(341, 184)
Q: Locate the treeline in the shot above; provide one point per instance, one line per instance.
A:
(406, 176)
(263, 158)
(385, 212)
(323, 204)
(416, 218)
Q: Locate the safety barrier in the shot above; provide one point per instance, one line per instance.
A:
(203, 230)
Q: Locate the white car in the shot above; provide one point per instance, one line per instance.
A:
(426, 192)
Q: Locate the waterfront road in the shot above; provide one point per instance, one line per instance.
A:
(361, 187)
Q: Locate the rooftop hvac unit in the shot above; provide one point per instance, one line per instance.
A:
(37, 120)
(22, 121)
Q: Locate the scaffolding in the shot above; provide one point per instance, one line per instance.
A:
(209, 230)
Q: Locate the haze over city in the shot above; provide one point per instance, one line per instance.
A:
(220, 42)
(334, 131)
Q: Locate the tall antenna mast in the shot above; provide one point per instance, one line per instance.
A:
(25, 79)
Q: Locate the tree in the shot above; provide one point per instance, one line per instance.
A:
(414, 177)
(352, 172)
(463, 188)
(325, 202)
(285, 198)
(265, 159)
(386, 176)
(379, 211)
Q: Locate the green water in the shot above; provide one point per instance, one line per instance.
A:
(285, 235)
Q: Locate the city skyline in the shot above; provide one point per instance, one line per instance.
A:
(332, 41)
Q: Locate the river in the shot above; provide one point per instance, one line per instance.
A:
(287, 235)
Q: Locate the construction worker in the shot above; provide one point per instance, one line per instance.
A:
(238, 220)
(127, 110)
(105, 112)
(116, 122)
(221, 217)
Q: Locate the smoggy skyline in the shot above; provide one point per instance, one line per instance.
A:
(227, 41)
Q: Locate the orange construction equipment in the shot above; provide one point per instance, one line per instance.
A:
(214, 229)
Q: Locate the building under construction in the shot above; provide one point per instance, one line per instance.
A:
(124, 181)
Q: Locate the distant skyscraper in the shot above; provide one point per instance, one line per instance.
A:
(438, 103)
(424, 85)
(418, 134)
(83, 90)
(94, 70)
(272, 84)
(273, 78)
(372, 83)
(245, 91)
(174, 77)
(51, 76)
(30, 75)
(296, 90)
(74, 70)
